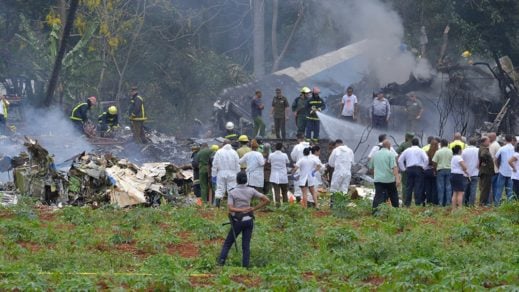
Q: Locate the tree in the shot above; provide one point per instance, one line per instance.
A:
(259, 38)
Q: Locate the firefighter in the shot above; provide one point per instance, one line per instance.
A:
(230, 133)
(299, 109)
(4, 104)
(314, 105)
(137, 116)
(79, 115)
(108, 122)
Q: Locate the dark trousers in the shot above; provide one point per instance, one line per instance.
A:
(244, 227)
(138, 132)
(259, 127)
(204, 185)
(279, 128)
(301, 124)
(379, 122)
(485, 185)
(515, 188)
(3, 125)
(429, 187)
(312, 126)
(414, 184)
(383, 191)
(280, 190)
(197, 190)
(348, 118)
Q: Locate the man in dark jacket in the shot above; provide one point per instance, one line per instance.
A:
(299, 109)
(108, 121)
(79, 114)
(486, 171)
(137, 116)
(314, 105)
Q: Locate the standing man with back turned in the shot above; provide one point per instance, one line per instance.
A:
(137, 116)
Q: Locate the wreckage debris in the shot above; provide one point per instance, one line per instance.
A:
(95, 178)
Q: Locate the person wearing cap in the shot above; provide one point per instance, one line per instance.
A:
(108, 121)
(457, 140)
(380, 112)
(299, 109)
(225, 167)
(314, 105)
(341, 160)
(414, 111)
(243, 149)
(203, 158)
(241, 215)
(257, 107)
(79, 114)
(137, 116)
(349, 105)
(280, 114)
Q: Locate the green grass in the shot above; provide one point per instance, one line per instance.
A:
(175, 249)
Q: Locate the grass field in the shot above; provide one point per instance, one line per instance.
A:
(176, 248)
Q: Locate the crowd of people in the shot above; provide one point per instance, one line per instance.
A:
(446, 173)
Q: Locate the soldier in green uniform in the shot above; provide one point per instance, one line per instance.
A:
(414, 110)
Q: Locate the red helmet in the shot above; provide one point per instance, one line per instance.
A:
(93, 100)
(316, 90)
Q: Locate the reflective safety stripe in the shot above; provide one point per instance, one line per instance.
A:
(6, 104)
(73, 114)
(312, 118)
(231, 136)
(315, 102)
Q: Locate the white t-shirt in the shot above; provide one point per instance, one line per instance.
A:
(349, 102)
(515, 175)
(471, 157)
(455, 164)
(378, 147)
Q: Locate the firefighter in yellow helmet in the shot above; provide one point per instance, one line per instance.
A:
(79, 114)
(137, 116)
(108, 122)
(4, 104)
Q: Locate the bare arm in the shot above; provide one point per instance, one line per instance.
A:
(397, 176)
(263, 202)
(511, 162)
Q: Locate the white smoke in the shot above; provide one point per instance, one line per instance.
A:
(389, 60)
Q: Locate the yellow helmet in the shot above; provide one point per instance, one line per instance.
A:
(243, 138)
(112, 110)
(214, 148)
(305, 90)
(466, 54)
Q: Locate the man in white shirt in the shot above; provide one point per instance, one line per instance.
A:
(471, 158)
(349, 105)
(225, 167)
(295, 155)
(504, 178)
(414, 160)
(493, 148)
(341, 160)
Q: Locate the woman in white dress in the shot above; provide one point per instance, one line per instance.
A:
(278, 174)
(307, 167)
(255, 162)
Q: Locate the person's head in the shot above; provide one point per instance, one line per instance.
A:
(485, 141)
(509, 138)
(92, 101)
(349, 91)
(306, 92)
(112, 110)
(279, 146)
(241, 178)
(386, 144)
(444, 143)
(306, 151)
(381, 138)
(215, 148)
(300, 137)
(316, 91)
(456, 150)
(415, 142)
(473, 141)
(316, 150)
(254, 144)
(492, 136)
(429, 139)
(203, 145)
(332, 145)
(380, 95)
(412, 96)
(226, 142)
(258, 93)
(434, 144)
(134, 91)
(278, 92)
(338, 142)
(409, 136)
(457, 136)
(243, 139)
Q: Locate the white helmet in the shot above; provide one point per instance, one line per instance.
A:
(229, 125)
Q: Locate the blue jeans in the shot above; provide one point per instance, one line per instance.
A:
(444, 187)
(244, 227)
(494, 188)
(414, 184)
(469, 198)
(312, 126)
(503, 182)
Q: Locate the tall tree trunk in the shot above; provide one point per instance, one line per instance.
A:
(274, 32)
(259, 37)
(278, 57)
(61, 53)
